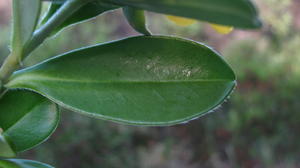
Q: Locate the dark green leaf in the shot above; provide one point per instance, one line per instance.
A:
(238, 13)
(21, 163)
(88, 11)
(136, 18)
(147, 80)
(27, 118)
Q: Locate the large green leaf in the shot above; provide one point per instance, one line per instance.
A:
(147, 80)
(88, 11)
(21, 163)
(25, 17)
(238, 13)
(27, 118)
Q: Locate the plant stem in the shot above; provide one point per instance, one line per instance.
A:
(68, 8)
(11, 63)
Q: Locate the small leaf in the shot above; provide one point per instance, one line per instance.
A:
(146, 80)
(25, 17)
(88, 11)
(136, 18)
(51, 11)
(237, 13)
(27, 118)
(21, 163)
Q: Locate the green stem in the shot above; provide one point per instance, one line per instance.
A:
(68, 8)
(11, 63)
(9, 66)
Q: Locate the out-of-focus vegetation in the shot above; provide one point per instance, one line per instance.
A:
(258, 127)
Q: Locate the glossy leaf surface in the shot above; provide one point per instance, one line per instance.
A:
(88, 11)
(136, 18)
(21, 163)
(25, 17)
(27, 118)
(146, 80)
(238, 13)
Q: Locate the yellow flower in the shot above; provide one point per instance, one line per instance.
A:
(222, 29)
(181, 21)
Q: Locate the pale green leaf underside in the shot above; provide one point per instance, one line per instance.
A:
(21, 163)
(27, 118)
(25, 17)
(141, 80)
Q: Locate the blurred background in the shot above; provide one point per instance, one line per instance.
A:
(258, 127)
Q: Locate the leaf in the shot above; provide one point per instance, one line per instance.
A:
(21, 163)
(55, 1)
(25, 18)
(27, 118)
(237, 13)
(88, 11)
(6, 147)
(136, 18)
(146, 80)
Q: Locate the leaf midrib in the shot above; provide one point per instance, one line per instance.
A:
(22, 78)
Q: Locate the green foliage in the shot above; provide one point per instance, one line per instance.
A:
(6, 147)
(25, 16)
(134, 86)
(88, 11)
(238, 13)
(20, 163)
(136, 19)
(145, 80)
(4, 34)
(31, 123)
